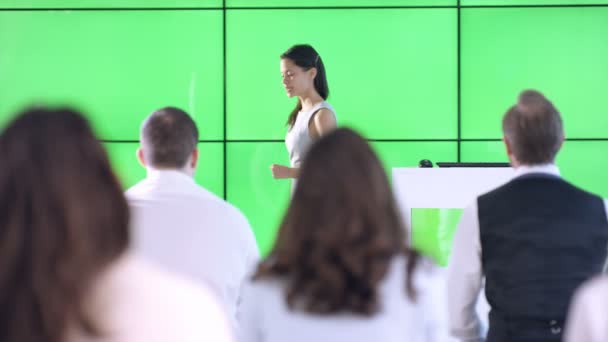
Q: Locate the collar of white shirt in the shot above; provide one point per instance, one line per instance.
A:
(169, 175)
(551, 169)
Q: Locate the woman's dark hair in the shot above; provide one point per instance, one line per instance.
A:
(306, 57)
(341, 231)
(63, 219)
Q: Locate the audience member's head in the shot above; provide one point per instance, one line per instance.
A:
(168, 141)
(341, 230)
(63, 219)
(533, 130)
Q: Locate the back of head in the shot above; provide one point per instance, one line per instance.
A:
(341, 230)
(63, 219)
(168, 136)
(534, 129)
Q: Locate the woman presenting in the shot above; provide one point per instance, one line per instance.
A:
(304, 77)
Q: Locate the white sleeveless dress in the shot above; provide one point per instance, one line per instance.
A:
(298, 139)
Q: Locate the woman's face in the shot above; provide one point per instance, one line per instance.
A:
(296, 80)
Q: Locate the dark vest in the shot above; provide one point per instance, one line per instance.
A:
(541, 238)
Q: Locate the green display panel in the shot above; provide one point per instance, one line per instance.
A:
(252, 189)
(530, 2)
(583, 163)
(483, 152)
(559, 51)
(339, 3)
(391, 73)
(108, 3)
(433, 232)
(209, 173)
(408, 154)
(125, 164)
(117, 66)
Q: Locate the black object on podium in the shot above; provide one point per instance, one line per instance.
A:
(428, 163)
(473, 164)
(425, 163)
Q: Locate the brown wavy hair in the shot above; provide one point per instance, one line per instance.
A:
(63, 219)
(341, 231)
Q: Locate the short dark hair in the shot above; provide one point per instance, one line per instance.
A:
(169, 135)
(63, 220)
(534, 129)
(341, 231)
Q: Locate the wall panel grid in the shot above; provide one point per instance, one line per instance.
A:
(263, 4)
(421, 79)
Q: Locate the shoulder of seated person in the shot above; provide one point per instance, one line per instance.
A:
(132, 272)
(134, 290)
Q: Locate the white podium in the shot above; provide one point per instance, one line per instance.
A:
(445, 188)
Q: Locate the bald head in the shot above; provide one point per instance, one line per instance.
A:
(168, 138)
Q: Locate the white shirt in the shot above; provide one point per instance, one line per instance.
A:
(135, 301)
(465, 270)
(187, 229)
(588, 316)
(265, 316)
(298, 139)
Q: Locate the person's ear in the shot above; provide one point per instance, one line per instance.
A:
(312, 72)
(141, 157)
(194, 158)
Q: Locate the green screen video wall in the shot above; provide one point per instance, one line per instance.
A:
(421, 79)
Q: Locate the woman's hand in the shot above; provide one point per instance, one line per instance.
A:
(280, 171)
